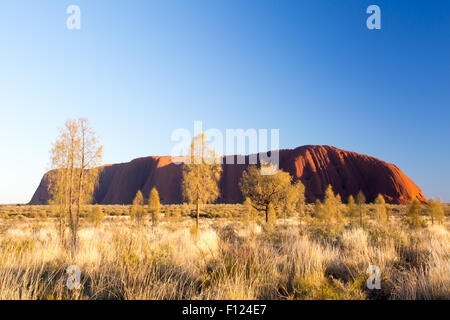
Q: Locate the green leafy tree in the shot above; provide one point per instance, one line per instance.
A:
(201, 175)
(154, 206)
(137, 209)
(361, 201)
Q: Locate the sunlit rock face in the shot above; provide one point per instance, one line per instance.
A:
(316, 166)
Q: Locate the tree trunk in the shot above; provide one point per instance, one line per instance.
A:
(71, 214)
(360, 215)
(80, 191)
(198, 213)
(61, 227)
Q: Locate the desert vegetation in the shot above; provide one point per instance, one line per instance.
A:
(272, 246)
(234, 254)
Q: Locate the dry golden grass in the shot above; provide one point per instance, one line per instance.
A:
(224, 260)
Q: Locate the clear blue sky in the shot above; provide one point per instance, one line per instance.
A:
(141, 69)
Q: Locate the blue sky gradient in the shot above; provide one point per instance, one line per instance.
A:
(141, 69)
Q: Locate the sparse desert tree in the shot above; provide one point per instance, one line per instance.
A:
(435, 211)
(430, 209)
(331, 206)
(440, 216)
(76, 156)
(95, 215)
(201, 175)
(294, 200)
(137, 209)
(264, 189)
(413, 214)
(58, 202)
(339, 208)
(62, 183)
(301, 201)
(247, 214)
(380, 209)
(318, 210)
(185, 209)
(328, 203)
(351, 207)
(176, 214)
(167, 211)
(154, 206)
(271, 214)
(361, 201)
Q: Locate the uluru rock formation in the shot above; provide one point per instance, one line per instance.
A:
(316, 166)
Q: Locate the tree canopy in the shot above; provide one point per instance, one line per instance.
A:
(276, 189)
(154, 205)
(201, 174)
